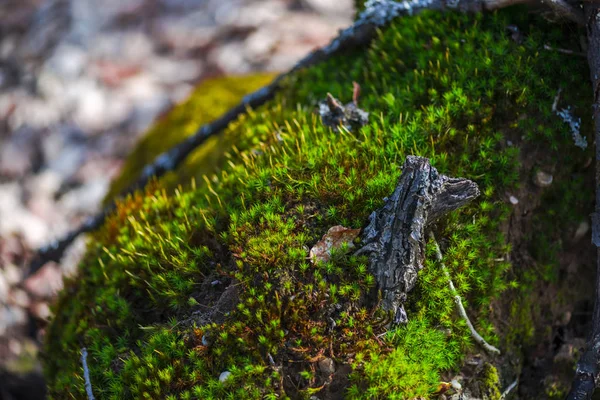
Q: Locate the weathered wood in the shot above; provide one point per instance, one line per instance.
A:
(395, 237)
(587, 372)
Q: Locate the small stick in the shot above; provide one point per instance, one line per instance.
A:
(509, 389)
(86, 374)
(556, 99)
(461, 309)
(564, 51)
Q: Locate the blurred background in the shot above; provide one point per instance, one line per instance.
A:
(80, 82)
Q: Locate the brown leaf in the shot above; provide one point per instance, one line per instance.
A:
(335, 237)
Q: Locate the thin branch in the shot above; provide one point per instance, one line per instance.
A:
(461, 309)
(86, 374)
(509, 389)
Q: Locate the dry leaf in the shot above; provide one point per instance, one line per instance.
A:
(335, 237)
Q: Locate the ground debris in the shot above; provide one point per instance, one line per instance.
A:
(334, 114)
(336, 237)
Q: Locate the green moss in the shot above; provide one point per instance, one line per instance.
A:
(209, 101)
(490, 383)
(450, 87)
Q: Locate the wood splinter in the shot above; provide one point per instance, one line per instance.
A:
(395, 237)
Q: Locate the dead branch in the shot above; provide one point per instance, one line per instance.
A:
(86, 374)
(395, 236)
(461, 309)
(509, 389)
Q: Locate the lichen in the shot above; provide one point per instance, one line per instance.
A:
(181, 285)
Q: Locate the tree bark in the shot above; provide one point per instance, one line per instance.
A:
(588, 367)
(395, 237)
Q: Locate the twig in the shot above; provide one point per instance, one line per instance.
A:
(564, 51)
(86, 374)
(461, 309)
(509, 389)
(588, 367)
(556, 99)
(562, 8)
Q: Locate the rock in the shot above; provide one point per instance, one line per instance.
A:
(68, 61)
(456, 385)
(11, 316)
(3, 288)
(224, 376)
(332, 7)
(46, 183)
(92, 103)
(46, 282)
(513, 200)
(63, 151)
(542, 179)
(326, 366)
(86, 198)
(582, 229)
(73, 254)
(12, 250)
(19, 297)
(16, 219)
(230, 57)
(40, 310)
(18, 153)
(12, 274)
(259, 45)
(333, 114)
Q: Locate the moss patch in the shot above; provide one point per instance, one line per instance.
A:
(450, 87)
(209, 101)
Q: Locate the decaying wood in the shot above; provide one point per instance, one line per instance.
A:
(587, 373)
(395, 237)
(459, 305)
(334, 114)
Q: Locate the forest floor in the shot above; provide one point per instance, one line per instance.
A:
(79, 84)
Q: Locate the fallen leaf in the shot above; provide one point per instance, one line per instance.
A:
(335, 238)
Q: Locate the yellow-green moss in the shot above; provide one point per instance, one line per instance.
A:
(490, 383)
(454, 88)
(210, 100)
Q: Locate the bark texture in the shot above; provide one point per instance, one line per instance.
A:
(395, 237)
(588, 367)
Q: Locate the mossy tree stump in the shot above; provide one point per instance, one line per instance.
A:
(148, 302)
